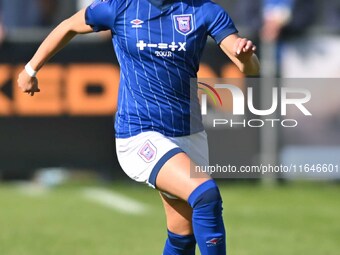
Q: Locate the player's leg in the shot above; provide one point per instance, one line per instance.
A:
(175, 178)
(178, 215)
(181, 240)
(141, 157)
(203, 196)
(159, 161)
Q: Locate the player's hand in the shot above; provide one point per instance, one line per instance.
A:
(244, 49)
(27, 83)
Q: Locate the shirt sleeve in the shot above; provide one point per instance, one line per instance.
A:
(101, 15)
(219, 24)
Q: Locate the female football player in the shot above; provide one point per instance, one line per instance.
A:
(159, 131)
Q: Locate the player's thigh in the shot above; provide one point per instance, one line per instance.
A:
(140, 156)
(178, 215)
(175, 177)
(164, 162)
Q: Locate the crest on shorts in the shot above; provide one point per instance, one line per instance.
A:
(184, 23)
(148, 152)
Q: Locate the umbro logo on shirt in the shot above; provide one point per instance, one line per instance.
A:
(137, 23)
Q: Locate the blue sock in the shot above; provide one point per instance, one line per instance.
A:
(207, 219)
(179, 245)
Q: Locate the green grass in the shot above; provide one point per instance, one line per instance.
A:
(292, 219)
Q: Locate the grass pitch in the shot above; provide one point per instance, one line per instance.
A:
(294, 219)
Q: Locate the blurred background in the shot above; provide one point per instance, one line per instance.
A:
(57, 154)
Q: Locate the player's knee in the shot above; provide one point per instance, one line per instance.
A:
(182, 242)
(207, 218)
(206, 194)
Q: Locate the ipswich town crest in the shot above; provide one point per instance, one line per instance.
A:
(148, 152)
(184, 23)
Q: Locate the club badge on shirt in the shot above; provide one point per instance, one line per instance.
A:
(183, 23)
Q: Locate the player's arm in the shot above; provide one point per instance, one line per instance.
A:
(54, 42)
(242, 52)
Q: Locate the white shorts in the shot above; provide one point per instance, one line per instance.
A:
(142, 156)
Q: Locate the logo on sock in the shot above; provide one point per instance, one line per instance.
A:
(214, 241)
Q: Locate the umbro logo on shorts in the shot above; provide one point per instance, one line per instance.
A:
(148, 152)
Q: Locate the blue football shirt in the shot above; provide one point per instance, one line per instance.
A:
(159, 44)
